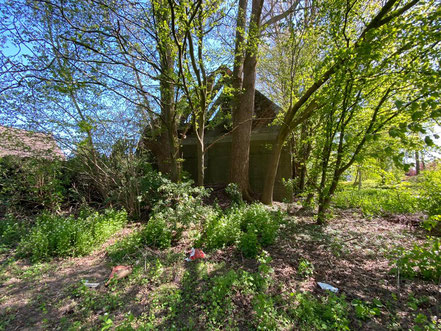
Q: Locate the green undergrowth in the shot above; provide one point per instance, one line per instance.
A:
(250, 228)
(421, 261)
(12, 230)
(213, 297)
(54, 235)
(378, 201)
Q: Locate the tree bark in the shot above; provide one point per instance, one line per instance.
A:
(242, 117)
(417, 162)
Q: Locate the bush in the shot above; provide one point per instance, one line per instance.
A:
(327, 313)
(430, 192)
(181, 206)
(122, 179)
(251, 227)
(11, 230)
(30, 184)
(156, 233)
(249, 244)
(265, 224)
(222, 229)
(421, 261)
(66, 236)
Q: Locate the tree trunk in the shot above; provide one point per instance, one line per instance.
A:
(273, 165)
(201, 151)
(271, 173)
(169, 132)
(417, 162)
(242, 117)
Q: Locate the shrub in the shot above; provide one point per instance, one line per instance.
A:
(249, 244)
(430, 192)
(30, 184)
(181, 206)
(327, 313)
(122, 179)
(222, 229)
(421, 261)
(157, 233)
(251, 227)
(11, 230)
(55, 235)
(265, 223)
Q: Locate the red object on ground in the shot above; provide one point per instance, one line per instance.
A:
(120, 271)
(195, 254)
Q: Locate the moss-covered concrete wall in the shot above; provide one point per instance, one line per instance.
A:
(218, 160)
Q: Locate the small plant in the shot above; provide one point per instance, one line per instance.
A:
(327, 313)
(233, 192)
(156, 233)
(249, 244)
(305, 268)
(421, 261)
(365, 310)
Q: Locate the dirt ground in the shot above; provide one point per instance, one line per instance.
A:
(350, 253)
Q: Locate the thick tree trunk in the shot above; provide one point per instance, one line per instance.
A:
(242, 117)
(169, 132)
(238, 50)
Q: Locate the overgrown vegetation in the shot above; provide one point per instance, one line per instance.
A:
(376, 201)
(69, 236)
(125, 87)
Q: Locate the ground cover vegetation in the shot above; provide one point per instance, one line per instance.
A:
(121, 84)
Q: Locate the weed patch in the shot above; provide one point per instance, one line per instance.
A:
(68, 236)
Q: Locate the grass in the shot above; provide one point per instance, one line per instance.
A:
(374, 201)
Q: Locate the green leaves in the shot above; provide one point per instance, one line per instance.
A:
(429, 142)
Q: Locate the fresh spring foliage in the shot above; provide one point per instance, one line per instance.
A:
(378, 201)
(422, 261)
(430, 198)
(68, 236)
(181, 206)
(326, 313)
(11, 230)
(251, 227)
